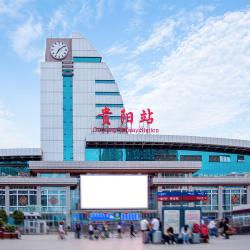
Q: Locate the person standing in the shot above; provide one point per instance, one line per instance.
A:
(119, 230)
(185, 232)
(144, 225)
(154, 227)
(91, 231)
(132, 230)
(78, 230)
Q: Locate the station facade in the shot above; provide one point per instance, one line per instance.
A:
(82, 132)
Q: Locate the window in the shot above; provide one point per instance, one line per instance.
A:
(233, 197)
(166, 158)
(2, 198)
(22, 199)
(87, 59)
(191, 158)
(107, 93)
(240, 158)
(113, 105)
(53, 199)
(105, 81)
(219, 158)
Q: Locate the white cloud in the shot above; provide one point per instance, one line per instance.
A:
(169, 32)
(10, 135)
(202, 87)
(159, 35)
(116, 49)
(99, 9)
(136, 6)
(11, 8)
(57, 20)
(24, 37)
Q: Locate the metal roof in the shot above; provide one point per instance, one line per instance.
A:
(177, 142)
(23, 154)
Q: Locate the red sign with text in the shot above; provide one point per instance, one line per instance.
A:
(126, 118)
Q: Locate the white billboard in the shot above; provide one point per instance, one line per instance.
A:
(114, 191)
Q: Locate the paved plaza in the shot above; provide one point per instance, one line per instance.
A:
(51, 242)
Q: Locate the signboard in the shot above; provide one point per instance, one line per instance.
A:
(171, 219)
(114, 216)
(189, 196)
(192, 217)
(126, 118)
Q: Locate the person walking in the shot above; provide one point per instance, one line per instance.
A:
(213, 231)
(78, 230)
(132, 230)
(61, 230)
(226, 228)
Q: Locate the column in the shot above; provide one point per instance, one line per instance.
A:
(38, 199)
(159, 203)
(248, 194)
(68, 216)
(220, 202)
(7, 199)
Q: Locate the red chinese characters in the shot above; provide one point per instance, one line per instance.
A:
(105, 115)
(146, 116)
(126, 117)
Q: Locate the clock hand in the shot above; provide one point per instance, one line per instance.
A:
(60, 49)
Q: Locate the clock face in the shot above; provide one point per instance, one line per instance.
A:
(59, 50)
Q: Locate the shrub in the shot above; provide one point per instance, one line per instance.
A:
(10, 228)
(1, 222)
(18, 217)
(3, 215)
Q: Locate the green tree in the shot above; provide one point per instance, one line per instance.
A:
(18, 217)
(3, 215)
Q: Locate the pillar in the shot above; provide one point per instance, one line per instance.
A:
(7, 199)
(68, 216)
(248, 194)
(159, 204)
(220, 202)
(38, 199)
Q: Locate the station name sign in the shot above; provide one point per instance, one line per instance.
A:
(126, 122)
(182, 196)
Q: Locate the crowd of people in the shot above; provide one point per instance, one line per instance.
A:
(196, 233)
(98, 230)
(152, 231)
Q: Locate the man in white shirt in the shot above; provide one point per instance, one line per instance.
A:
(155, 224)
(144, 225)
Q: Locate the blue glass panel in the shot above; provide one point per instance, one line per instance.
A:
(67, 119)
(110, 117)
(120, 105)
(107, 93)
(87, 59)
(141, 154)
(105, 81)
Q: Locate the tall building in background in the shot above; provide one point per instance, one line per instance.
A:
(75, 85)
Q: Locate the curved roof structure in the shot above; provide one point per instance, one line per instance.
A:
(170, 142)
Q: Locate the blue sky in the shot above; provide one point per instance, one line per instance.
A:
(188, 60)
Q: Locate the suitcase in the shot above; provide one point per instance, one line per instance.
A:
(196, 238)
(145, 237)
(157, 237)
